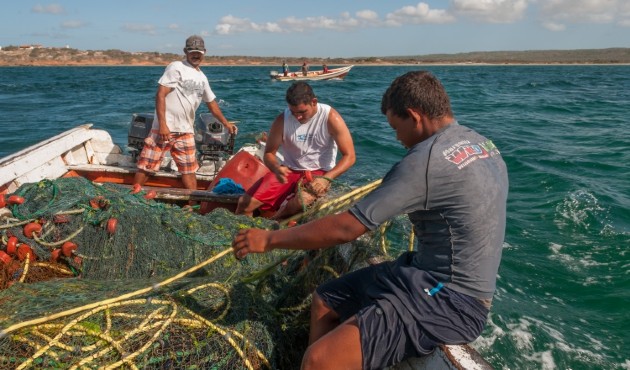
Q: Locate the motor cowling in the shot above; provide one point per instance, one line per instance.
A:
(139, 129)
(214, 141)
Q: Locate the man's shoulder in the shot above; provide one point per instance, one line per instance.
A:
(324, 106)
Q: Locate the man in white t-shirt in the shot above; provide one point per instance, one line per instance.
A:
(181, 89)
(310, 134)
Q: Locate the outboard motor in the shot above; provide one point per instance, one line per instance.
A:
(214, 141)
(138, 131)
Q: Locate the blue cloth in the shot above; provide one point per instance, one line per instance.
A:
(227, 186)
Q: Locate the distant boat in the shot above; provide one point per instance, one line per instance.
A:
(339, 73)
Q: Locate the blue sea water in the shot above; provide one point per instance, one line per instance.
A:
(563, 293)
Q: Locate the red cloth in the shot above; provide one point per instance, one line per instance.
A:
(272, 193)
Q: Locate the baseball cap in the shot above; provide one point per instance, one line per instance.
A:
(195, 43)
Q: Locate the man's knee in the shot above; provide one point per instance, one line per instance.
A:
(314, 358)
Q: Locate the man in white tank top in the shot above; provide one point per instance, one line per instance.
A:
(309, 135)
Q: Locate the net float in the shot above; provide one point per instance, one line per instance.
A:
(5, 258)
(150, 194)
(3, 201)
(136, 189)
(12, 245)
(32, 228)
(112, 224)
(23, 251)
(99, 202)
(15, 199)
(55, 254)
(67, 248)
(61, 219)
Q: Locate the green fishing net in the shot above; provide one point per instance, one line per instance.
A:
(161, 289)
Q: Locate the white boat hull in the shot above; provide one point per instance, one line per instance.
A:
(335, 73)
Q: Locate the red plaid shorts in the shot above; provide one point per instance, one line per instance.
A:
(182, 148)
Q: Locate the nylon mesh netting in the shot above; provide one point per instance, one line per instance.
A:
(161, 289)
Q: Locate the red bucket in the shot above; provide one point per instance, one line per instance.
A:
(245, 170)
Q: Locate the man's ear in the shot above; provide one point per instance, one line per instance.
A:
(415, 115)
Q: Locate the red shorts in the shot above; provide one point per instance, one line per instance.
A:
(272, 192)
(181, 146)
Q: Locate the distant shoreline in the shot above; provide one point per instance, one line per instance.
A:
(55, 57)
(335, 65)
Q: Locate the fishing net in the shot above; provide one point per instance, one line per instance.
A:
(158, 287)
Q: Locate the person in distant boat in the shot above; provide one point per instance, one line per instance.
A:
(453, 185)
(285, 68)
(181, 89)
(304, 69)
(325, 68)
(310, 134)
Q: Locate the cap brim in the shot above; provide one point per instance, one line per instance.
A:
(195, 51)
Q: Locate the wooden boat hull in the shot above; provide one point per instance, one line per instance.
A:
(335, 73)
(91, 153)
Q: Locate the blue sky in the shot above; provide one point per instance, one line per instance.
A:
(322, 28)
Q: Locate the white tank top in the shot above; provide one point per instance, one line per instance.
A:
(309, 146)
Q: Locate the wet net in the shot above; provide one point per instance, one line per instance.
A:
(95, 276)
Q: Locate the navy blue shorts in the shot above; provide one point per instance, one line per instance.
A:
(402, 311)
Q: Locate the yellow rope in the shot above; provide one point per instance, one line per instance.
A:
(356, 193)
(127, 360)
(57, 268)
(16, 224)
(228, 301)
(136, 293)
(411, 237)
(27, 263)
(60, 242)
(234, 345)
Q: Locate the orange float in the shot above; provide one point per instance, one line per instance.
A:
(55, 254)
(15, 199)
(68, 248)
(5, 258)
(112, 224)
(12, 245)
(25, 250)
(32, 228)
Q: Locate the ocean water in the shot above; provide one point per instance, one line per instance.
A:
(563, 294)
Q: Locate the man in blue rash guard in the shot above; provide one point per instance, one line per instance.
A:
(453, 185)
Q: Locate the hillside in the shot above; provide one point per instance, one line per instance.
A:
(14, 56)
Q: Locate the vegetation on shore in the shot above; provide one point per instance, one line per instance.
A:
(40, 56)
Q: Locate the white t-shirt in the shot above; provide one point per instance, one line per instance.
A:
(309, 146)
(191, 87)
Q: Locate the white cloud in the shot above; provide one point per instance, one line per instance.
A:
(48, 9)
(232, 25)
(367, 15)
(551, 26)
(582, 11)
(173, 26)
(419, 14)
(146, 29)
(554, 15)
(73, 24)
(491, 11)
